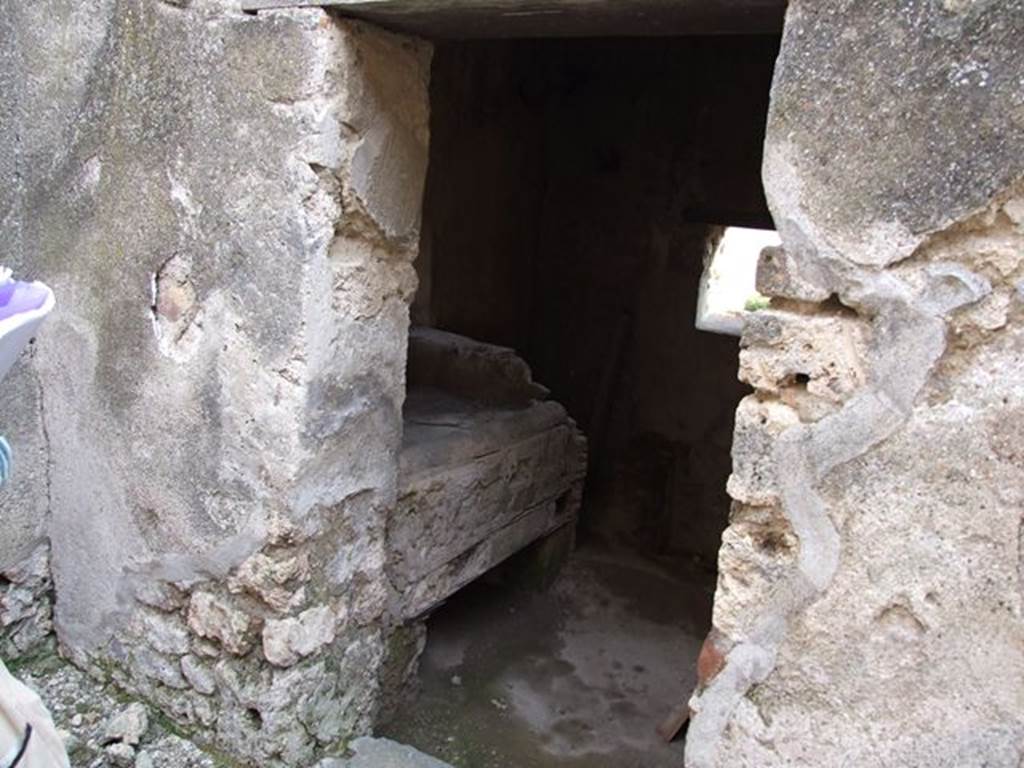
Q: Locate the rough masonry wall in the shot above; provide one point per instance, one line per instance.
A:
(567, 211)
(870, 607)
(226, 206)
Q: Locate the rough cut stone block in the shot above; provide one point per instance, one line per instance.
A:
(781, 274)
(758, 549)
(285, 641)
(216, 619)
(26, 604)
(759, 422)
(813, 362)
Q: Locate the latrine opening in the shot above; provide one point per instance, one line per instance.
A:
(576, 192)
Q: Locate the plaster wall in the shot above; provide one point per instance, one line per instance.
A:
(227, 208)
(869, 605)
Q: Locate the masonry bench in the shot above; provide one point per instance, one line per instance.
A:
(488, 466)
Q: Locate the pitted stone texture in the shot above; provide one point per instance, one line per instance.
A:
(891, 121)
(272, 580)
(812, 362)
(759, 550)
(896, 640)
(759, 423)
(215, 619)
(914, 651)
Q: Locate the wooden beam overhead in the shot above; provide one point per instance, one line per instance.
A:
(464, 19)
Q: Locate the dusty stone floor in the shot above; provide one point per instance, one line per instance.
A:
(83, 711)
(575, 677)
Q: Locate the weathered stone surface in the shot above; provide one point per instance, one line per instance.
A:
(783, 275)
(82, 706)
(812, 363)
(26, 604)
(268, 579)
(383, 753)
(24, 500)
(128, 726)
(285, 641)
(227, 208)
(758, 552)
(198, 674)
(887, 630)
(120, 755)
(168, 635)
(759, 423)
(891, 121)
(215, 619)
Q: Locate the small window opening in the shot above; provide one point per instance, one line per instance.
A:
(728, 289)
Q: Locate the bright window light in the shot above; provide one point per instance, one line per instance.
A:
(727, 289)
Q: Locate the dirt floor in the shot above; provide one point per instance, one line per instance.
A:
(578, 676)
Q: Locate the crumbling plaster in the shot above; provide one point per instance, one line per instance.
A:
(869, 608)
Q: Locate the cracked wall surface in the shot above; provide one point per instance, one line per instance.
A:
(869, 608)
(227, 208)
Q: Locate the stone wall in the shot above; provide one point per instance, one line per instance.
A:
(227, 207)
(26, 606)
(869, 606)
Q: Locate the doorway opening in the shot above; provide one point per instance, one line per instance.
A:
(577, 191)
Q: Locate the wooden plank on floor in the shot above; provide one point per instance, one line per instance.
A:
(554, 18)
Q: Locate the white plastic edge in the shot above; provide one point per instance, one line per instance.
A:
(17, 331)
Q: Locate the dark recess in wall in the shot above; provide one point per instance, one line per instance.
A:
(574, 189)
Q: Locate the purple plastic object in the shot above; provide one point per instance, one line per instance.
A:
(22, 308)
(17, 297)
